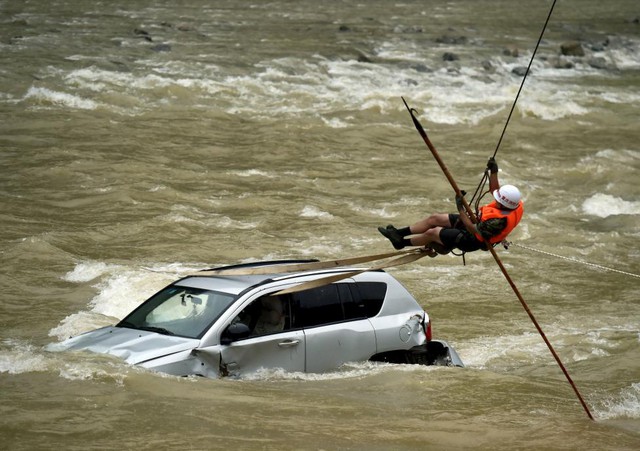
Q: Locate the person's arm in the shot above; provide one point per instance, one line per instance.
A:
(492, 166)
(469, 225)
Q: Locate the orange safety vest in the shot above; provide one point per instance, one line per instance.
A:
(493, 210)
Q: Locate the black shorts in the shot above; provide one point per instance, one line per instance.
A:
(457, 236)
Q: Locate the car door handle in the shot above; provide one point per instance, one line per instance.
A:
(289, 343)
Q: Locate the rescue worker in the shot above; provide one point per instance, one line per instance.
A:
(442, 232)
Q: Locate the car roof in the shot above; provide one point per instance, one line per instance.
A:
(228, 284)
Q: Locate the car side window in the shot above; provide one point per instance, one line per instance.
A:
(337, 302)
(266, 315)
(353, 306)
(368, 297)
(316, 307)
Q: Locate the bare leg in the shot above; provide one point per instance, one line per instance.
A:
(436, 220)
(426, 238)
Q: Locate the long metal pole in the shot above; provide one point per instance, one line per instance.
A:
(474, 219)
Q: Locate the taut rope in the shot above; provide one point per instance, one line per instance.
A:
(478, 194)
(571, 259)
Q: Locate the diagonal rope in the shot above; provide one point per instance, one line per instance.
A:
(574, 260)
(524, 78)
(476, 195)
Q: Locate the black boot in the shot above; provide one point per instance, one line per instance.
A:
(391, 233)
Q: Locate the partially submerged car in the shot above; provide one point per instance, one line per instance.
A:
(228, 325)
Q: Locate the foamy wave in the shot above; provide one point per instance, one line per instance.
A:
(47, 97)
(551, 110)
(17, 357)
(625, 156)
(334, 122)
(192, 215)
(120, 290)
(253, 173)
(78, 323)
(224, 222)
(627, 56)
(320, 87)
(87, 271)
(351, 370)
(485, 351)
(625, 405)
(604, 205)
(310, 211)
(88, 371)
(21, 358)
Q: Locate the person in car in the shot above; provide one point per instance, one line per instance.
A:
(441, 232)
(271, 317)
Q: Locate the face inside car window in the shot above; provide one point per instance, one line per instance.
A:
(266, 315)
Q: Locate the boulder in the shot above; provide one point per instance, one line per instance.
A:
(487, 66)
(573, 48)
(562, 63)
(449, 56)
(142, 34)
(362, 58)
(451, 40)
(520, 71)
(422, 68)
(598, 62)
(184, 27)
(161, 48)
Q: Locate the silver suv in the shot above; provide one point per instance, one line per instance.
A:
(229, 325)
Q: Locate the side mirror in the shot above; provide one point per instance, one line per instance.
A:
(234, 332)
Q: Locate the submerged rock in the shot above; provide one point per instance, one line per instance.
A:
(450, 56)
(572, 49)
(521, 71)
(161, 48)
(598, 62)
(511, 51)
(422, 68)
(487, 66)
(451, 40)
(143, 34)
(362, 57)
(562, 63)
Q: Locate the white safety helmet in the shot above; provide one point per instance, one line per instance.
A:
(508, 195)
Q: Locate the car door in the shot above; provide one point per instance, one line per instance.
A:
(264, 347)
(284, 350)
(331, 336)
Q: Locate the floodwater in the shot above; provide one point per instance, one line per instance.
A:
(141, 140)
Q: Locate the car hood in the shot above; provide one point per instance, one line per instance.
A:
(132, 345)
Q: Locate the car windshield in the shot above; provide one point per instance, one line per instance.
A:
(176, 310)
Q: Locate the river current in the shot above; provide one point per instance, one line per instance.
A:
(142, 139)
